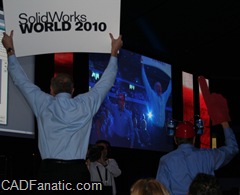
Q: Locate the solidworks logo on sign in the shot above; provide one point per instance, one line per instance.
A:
(62, 25)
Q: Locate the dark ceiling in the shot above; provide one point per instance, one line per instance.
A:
(199, 36)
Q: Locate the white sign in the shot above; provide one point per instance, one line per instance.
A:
(53, 26)
(157, 64)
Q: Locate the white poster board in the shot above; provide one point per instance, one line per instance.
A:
(53, 26)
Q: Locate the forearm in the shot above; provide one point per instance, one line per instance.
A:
(113, 168)
(146, 83)
(114, 52)
(20, 79)
(102, 87)
(109, 75)
(10, 51)
(16, 72)
(230, 139)
(225, 125)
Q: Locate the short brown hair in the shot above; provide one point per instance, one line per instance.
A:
(205, 184)
(148, 186)
(62, 82)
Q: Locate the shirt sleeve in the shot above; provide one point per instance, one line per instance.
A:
(28, 89)
(113, 168)
(98, 93)
(225, 154)
(162, 174)
(150, 91)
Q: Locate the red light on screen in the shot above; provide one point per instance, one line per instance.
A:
(188, 108)
(205, 138)
(188, 100)
(63, 62)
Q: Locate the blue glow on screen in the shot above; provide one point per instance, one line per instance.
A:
(146, 134)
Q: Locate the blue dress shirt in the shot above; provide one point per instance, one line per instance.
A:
(157, 103)
(64, 123)
(178, 168)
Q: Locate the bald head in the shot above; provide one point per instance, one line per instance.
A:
(62, 83)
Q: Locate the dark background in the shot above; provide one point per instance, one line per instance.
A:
(200, 37)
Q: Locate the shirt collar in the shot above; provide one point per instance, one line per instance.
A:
(63, 94)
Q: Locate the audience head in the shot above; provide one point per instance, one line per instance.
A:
(121, 100)
(158, 88)
(205, 184)
(148, 186)
(106, 147)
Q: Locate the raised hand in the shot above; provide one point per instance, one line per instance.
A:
(116, 44)
(7, 40)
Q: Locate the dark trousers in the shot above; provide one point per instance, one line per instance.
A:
(63, 175)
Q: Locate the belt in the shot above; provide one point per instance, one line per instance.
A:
(59, 161)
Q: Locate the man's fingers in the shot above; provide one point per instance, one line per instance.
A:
(204, 88)
(120, 37)
(11, 33)
(111, 36)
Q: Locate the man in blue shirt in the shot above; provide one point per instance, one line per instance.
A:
(178, 168)
(157, 98)
(157, 103)
(121, 133)
(64, 123)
